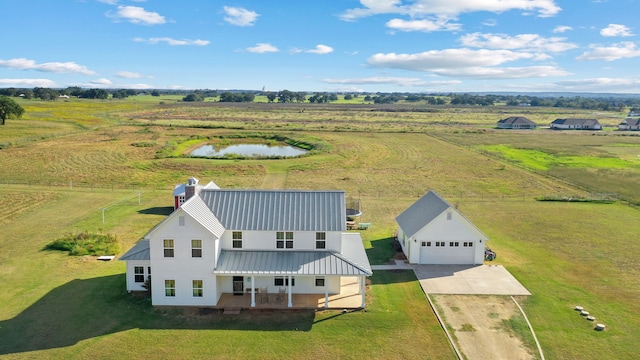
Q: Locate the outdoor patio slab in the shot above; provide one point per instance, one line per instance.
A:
(468, 280)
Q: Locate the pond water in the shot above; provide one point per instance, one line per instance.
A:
(248, 150)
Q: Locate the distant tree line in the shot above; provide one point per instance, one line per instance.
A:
(613, 103)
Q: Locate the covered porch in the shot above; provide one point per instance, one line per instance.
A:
(290, 279)
(348, 298)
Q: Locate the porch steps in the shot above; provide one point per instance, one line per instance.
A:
(231, 311)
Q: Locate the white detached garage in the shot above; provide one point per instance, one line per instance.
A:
(431, 231)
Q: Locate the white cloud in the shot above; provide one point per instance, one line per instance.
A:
(320, 49)
(625, 49)
(103, 82)
(128, 75)
(467, 63)
(528, 42)
(447, 58)
(503, 72)
(451, 8)
(562, 28)
(173, 42)
(28, 83)
(240, 16)
(602, 84)
(138, 15)
(110, 2)
(490, 22)
(262, 48)
(439, 24)
(383, 80)
(53, 67)
(616, 30)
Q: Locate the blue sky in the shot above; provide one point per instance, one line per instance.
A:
(346, 45)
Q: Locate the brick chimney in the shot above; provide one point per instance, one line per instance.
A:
(190, 188)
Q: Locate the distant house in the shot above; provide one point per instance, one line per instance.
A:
(629, 124)
(180, 191)
(516, 122)
(634, 112)
(250, 243)
(576, 124)
(431, 231)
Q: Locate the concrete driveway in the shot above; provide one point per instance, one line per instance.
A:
(468, 280)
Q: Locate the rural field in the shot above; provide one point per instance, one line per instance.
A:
(64, 162)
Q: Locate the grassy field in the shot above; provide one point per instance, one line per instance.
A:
(65, 160)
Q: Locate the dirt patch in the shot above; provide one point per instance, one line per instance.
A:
(482, 326)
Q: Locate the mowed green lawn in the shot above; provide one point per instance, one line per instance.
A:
(56, 306)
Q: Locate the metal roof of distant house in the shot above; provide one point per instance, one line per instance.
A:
(277, 210)
(516, 120)
(268, 262)
(631, 122)
(421, 212)
(583, 122)
(140, 251)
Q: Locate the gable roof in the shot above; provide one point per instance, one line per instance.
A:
(421, 212)
(631, 122)
(516, 120)
(140, 251)
(589, 122)
(198, 210)
(274, 210)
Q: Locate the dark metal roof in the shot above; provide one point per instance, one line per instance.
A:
(421, 212)
(516, 120)
(320, 263)
(140, 251)
(631, 122)
(274, 210)
(588, 122)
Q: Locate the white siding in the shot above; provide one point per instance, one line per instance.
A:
(458, 229)
(183, 268)
(132, 285)
(266, 240)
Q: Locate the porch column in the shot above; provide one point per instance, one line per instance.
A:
(253, 291)
(326, 292)
(290, 304)
(362, 281)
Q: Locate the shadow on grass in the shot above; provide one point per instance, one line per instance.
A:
(383, 277)
(84, 309)
(158, 210)
(381, 251)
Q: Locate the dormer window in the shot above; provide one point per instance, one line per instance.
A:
(284, 240)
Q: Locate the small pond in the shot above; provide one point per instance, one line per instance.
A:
(248, 150)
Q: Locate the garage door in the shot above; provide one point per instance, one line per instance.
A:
(441, 252)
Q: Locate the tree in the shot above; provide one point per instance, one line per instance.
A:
(9, 108)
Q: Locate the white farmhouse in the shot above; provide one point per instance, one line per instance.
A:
(223, 241)
(431, 231)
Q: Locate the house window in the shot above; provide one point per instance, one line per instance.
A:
(439, 243)
(468, 244)
(237, 239)
(449, 215)
(196, 248)
(284, 239)
(168, 248)
(319, 281)
(181, 220)
(283, 281)
(149, 270)
(424, 243)
(454, 244)
(138, 274)
(321, 240)
(428, 243)
(197, 288)
(170, 288)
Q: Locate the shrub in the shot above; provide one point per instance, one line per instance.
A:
(85, 243)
